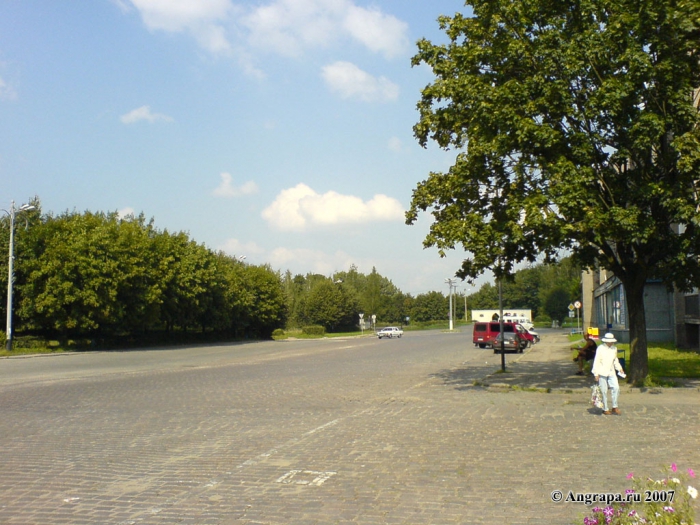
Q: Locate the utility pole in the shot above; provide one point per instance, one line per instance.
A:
(451, 283)
(10, 268)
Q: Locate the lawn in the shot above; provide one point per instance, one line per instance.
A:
(665, 360)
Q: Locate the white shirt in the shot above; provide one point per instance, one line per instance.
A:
(605, 362)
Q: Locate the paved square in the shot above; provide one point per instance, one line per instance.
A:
(357, 431)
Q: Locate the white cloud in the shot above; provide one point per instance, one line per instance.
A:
(395, 144)
(305, 260)
(380, 33)
(234, 247)
(289, 27)
(227, 189)
(201, 18)
(176, 15)
(7, 92)
(300, 208)
(286, 27)
(144, 113)
(125, 212)
(349, 81)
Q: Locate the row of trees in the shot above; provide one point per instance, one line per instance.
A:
(98, 275)
(546, 289)
(336, 302)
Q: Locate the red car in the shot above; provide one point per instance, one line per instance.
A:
(484, 334)
(524, 334)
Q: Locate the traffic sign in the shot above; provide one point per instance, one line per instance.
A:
(577, 304)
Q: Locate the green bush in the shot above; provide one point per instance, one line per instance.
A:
(277, 332)
(27, 342)
(313, 330)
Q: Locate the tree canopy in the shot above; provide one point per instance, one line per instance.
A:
(577, 129)
(100, 276)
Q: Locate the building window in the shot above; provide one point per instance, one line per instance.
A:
(618, 298)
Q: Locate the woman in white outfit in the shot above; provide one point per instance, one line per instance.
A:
(605, 364)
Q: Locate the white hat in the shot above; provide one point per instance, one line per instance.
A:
(609, 338)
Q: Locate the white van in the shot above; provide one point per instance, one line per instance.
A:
(520, 320)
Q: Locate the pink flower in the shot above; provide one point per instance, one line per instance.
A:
(673, 467)
(630, 475)
(691, 473)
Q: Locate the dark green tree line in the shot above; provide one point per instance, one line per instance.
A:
(546, 289)
(98, 275)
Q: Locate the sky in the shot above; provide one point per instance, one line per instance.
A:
(278, 130)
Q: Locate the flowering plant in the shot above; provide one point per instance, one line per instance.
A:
(667, 501)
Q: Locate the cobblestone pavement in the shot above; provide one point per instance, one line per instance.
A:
(410, 431)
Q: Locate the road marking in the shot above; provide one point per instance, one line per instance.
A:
(306, 477)
(322, 427)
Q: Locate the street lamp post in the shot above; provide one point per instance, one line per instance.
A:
(10, 268)
(500, 320)
(451, 283)
(466, 315)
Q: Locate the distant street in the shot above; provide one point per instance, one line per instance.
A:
(353, 430)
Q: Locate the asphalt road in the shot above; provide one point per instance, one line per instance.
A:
(353, 430)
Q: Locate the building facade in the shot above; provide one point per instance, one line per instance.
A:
(671, 316)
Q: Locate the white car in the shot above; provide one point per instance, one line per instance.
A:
(390, 332)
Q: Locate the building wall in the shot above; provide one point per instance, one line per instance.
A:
(608, 309)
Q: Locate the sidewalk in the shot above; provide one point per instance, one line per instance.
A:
(548, 367)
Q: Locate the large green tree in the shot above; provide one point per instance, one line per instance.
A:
(96, 274)
(331, 305)
(431, 306)
(578, 130)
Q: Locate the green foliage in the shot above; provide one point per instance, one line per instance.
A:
(337, 302)
(556, 304)
(29, 342)
(579, 132)
(667, 361)
(97, 275)
(313, 330)
(431, 306)
(533, 288)
(331, 305)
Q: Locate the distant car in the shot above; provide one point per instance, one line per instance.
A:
(528, 338)
(390, 332)
(484, 334)
(512, 343)
(532, 332)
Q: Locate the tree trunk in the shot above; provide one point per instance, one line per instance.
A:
(638, 367)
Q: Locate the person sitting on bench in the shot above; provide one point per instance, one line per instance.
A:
(585, 353)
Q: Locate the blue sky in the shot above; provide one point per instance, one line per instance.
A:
(276, 129)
